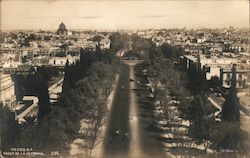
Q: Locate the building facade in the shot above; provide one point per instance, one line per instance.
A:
(226, 77)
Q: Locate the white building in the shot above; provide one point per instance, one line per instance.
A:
(218, 61)
(226, 76)
(7, 91)
(61, 61)
(213, 65)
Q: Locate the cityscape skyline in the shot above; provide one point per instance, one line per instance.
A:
(117, 15)
(72, 87)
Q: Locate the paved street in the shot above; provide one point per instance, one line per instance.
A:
(131, 113)
(114, 145)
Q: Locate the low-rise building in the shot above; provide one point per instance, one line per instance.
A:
(188, 61)
(217, 67)
(61, 61)
(226, 75)
(7, 91)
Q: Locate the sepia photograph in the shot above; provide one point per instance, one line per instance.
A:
(124, 79)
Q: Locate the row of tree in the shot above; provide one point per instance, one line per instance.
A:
(86, 87)
(190, 88)
(119, 41)
(206, 129)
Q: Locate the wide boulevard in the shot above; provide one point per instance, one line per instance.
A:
(129, 133)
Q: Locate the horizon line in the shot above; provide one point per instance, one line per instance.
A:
(91, 29)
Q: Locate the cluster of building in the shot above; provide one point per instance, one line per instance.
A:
(213, 53)
(228, 41)
(220, 68)
(211, 50)
(25, 49)
(37, 48)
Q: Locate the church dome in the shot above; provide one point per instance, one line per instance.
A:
(62, 29)
(62, 26)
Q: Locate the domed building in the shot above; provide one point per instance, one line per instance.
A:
(62, 30)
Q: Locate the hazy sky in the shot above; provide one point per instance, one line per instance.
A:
(116, 14)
